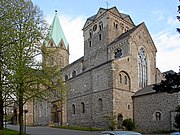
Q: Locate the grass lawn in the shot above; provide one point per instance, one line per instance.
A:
(8, 132)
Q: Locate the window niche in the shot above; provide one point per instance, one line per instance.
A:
(82, 107)
(115, 25)
(90, 43)
(118, 53)
(73, 73)
(73, 109)
(100, 37)
(157, 116)
(100, 25)
(120, 78)
(100, 104)
(125, 80)
(66, 77)
(90, 33)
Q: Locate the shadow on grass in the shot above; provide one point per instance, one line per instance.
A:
(9, 132)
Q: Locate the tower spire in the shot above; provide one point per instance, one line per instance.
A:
(56, 33)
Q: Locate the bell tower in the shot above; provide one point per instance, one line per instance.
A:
(99, 31)
(55, 48)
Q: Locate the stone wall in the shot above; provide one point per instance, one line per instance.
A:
(88, 88)
(146, 106)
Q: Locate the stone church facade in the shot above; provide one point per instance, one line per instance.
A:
(119, 59)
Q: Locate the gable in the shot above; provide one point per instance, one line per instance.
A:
(100, 12)
(87, 23)
(143, 35)
(115, 11)
(128, 19)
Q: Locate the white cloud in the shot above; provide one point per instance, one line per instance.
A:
(72, 28)
(173, 21)
(159, 14)
(168, 50)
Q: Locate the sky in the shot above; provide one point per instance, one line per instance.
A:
(158, 15)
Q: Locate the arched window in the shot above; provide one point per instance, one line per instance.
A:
(51, 44)
(90, 43)
(82, 107)
(73, 73)
(157, 116)
(142, 68)
(73, 109)
(100, 25)
(100, 103)
(90, 33)
(66, 77)
(118, 53)
(125, 80)
(99, 36)
(120, 78)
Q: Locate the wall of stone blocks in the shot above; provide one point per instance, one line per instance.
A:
(88, 88)
(146, 105)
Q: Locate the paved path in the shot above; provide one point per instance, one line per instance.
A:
(53, 131)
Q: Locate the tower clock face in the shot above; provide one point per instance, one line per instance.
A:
(95, 27)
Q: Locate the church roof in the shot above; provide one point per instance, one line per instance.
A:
(56, 33)
(123, 35)
(102, 11)
(94, 16)
(144, 91)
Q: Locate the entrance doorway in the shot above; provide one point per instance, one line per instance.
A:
(120, 120)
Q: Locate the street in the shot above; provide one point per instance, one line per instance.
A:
(53, 131)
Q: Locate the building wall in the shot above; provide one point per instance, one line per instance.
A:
(88, 88)
(146, 106)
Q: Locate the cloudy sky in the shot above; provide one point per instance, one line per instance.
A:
(158, 15)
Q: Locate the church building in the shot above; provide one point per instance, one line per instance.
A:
(119, 59)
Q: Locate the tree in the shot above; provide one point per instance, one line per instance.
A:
(24, 30)
(5, 26)
(177, 118)
(178, 17)
(171, 84)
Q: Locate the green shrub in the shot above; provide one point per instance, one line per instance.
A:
(128, 124)
(111, 121)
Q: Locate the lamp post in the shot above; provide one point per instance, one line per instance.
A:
(25, 111)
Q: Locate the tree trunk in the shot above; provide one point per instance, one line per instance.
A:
(1, 89)
(21, 113)
(1, 109)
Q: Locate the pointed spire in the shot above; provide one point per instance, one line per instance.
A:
(56, 33)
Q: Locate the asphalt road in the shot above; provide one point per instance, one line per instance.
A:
(52, 131)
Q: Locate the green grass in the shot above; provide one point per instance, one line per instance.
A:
(80, 128)
(8, 132)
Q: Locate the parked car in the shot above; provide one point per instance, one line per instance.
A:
(175, 133)
(120, 133)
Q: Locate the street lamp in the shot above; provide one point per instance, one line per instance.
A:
(25, 111)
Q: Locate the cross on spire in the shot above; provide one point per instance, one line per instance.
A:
(107, 3)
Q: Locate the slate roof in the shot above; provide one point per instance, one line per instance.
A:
(123, 35)
(94, 16)
(56, 32)
(144, 91)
